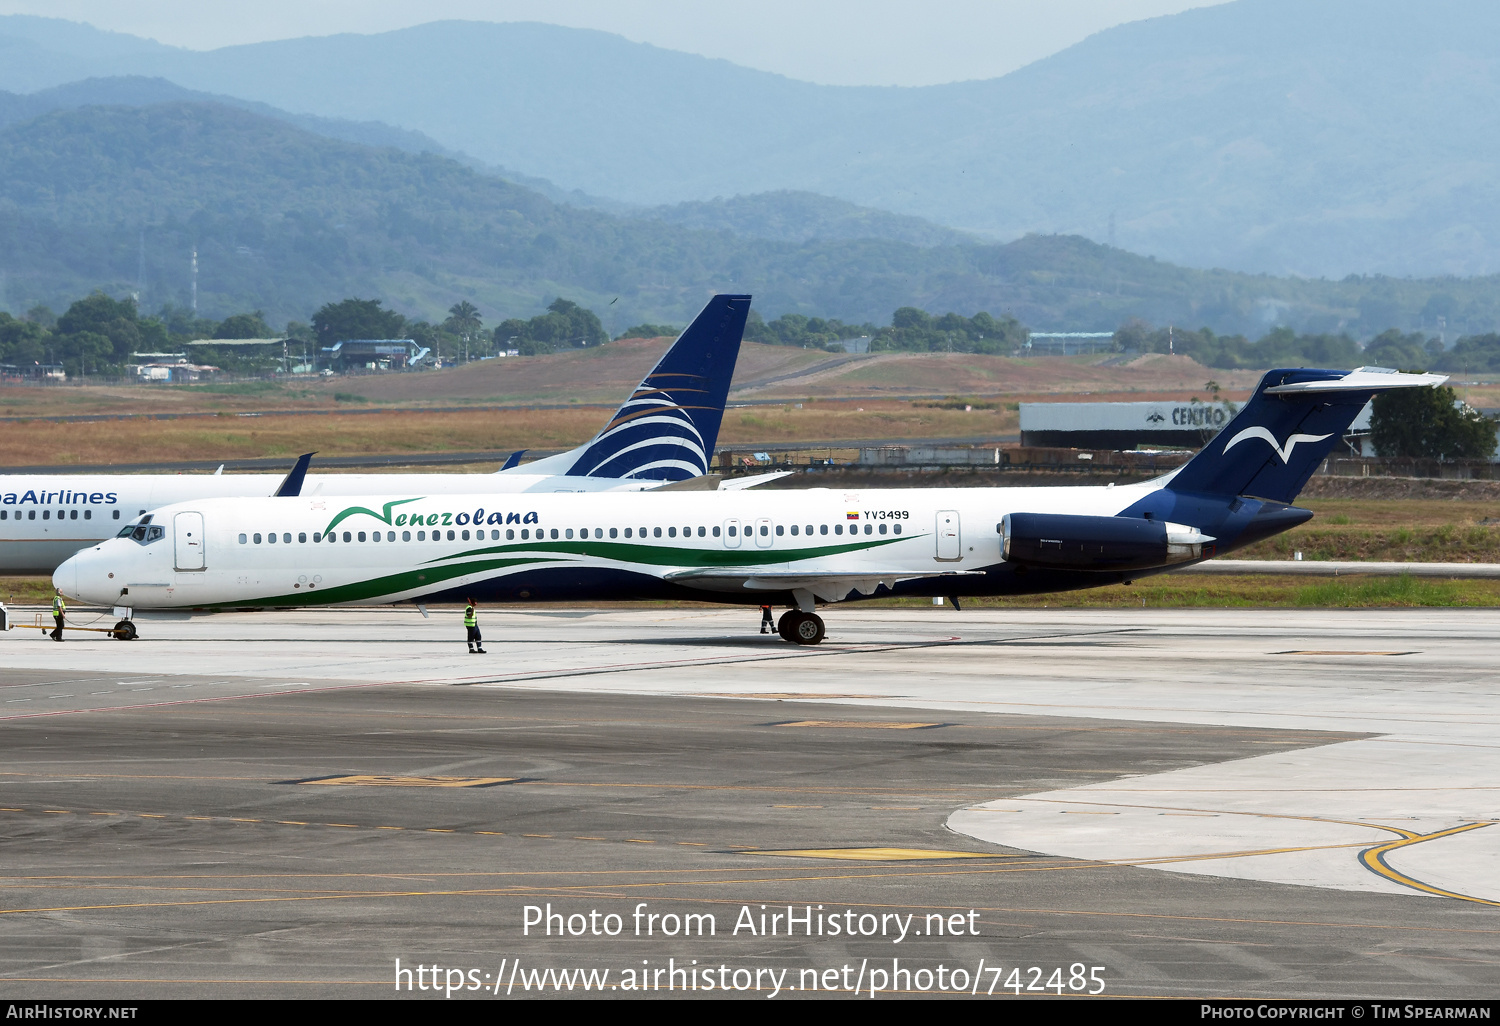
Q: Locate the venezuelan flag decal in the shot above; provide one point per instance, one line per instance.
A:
(851, 516)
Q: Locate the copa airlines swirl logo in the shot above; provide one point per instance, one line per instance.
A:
(1265, 435)
(652, 436)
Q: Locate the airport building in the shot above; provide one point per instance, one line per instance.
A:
(1161, 425)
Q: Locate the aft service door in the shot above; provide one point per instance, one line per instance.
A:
(949, 540)
(187, 531)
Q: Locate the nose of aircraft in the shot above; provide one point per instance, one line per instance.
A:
(65, 577)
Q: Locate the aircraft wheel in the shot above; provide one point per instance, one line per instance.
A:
(784, 625)
(124, 631)
(807, 629)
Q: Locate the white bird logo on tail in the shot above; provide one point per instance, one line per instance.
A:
(1260, 432)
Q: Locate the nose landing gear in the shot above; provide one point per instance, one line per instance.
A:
(800, 628)
(123, 631)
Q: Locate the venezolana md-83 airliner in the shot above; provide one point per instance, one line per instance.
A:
(796, 548)
(665, 432)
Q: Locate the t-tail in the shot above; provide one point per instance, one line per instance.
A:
(1240, 486)
(667, 429)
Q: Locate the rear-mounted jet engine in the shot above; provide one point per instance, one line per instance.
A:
(1061, 542)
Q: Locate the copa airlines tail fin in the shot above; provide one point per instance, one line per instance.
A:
(1289, 426)
(667, 429)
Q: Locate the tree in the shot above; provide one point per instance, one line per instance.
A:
(250, 325)
(356, 318)
(1393, 349)
(464, 322)
(1430, 423)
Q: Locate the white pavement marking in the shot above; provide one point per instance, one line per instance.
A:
(1292, 817)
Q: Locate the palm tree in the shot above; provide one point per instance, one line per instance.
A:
(464, 321)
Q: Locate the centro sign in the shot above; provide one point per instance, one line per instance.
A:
(1199, 416)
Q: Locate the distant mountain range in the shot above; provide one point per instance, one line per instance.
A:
(285, 218)
(1280, 136)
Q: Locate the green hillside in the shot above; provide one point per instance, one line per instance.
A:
(285, 220)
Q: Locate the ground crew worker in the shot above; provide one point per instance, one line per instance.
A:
(471, 623)
(765, 620)
(59, 611)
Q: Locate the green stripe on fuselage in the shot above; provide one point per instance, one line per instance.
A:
(377, 586)
(677, 555)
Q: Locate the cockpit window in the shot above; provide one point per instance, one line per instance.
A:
(143, 534)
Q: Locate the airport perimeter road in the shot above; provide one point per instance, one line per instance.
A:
(1198, 803)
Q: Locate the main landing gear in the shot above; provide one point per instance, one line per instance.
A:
(800, 628)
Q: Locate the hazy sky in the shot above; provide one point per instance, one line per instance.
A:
(839, 42)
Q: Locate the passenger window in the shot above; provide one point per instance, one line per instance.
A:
(4, 514)
(510, 534)
(614, 532)
(466, 536)
(655, 532)
(554, 534)
(822, 528)
(716, 532)
(882, 529)
(287, 537)
(72, 514)
(897, 528)
(242, 539)
(450, 535)
(643, 532)
(868, 528)
(732, 531)
(140, 532)
(46, 514)
(116, 516)
(31, 514)
(525, 533)
(780, 531)
(794, 530)
(764, 530)
(421, 536)
(361, 536)
(671, 532)
(700, 532)
(317, 537)
(568, 533)
(346, 537)
(271, 538)
(627, 532)
(838, 528)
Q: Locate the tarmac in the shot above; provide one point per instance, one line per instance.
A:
(1195, 803)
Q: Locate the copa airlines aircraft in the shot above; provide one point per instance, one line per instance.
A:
(665, 431)
(797, 548)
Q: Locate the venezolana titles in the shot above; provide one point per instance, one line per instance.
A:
(418, 518)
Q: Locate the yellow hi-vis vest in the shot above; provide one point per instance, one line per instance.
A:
(59, 607)
(469, 620)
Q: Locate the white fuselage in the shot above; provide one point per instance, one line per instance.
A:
(389, 548)
(44, 519)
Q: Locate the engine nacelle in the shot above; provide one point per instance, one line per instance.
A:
(1059, 541)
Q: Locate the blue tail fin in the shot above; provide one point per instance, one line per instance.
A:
(1291, 423)
(667, 429)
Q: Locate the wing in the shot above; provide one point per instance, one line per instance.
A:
(828, 585)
